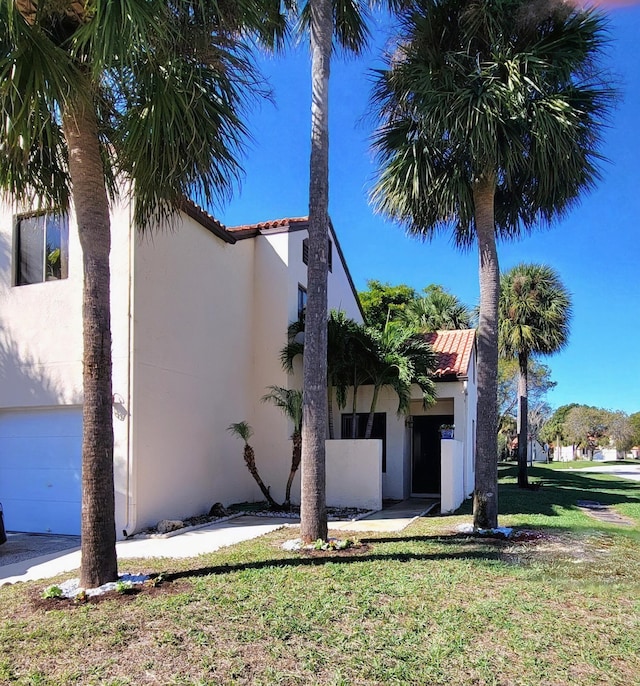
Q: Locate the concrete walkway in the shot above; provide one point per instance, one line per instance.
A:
(189, 544)
(208, 539)
(394, 518)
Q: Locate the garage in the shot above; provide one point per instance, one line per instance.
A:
(40, 469)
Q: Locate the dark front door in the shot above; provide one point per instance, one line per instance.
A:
(425, 475)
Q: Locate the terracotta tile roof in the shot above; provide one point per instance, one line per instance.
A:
(206, 220)
(453, 350)
(253, 229)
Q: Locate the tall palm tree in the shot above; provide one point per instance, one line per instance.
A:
(437, 310)
(92, 90)
(289, 401)
(327, 19)
(534, 316)
(401, 359)
(490, 115)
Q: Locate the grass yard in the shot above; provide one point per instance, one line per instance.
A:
(560, 605)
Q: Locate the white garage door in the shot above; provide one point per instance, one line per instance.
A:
(40, 470)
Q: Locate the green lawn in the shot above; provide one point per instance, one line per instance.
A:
(560, 606)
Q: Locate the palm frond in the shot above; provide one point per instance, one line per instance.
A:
(514, 87)
(534, 311)
(350, 24)
(289, 401)
(242, 430)
(37, 78)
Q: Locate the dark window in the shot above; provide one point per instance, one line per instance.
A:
(302, 302)
(305, 253)
(379, 429)
(41, 248)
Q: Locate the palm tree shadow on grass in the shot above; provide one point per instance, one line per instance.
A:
(560, 489)
(487, 555)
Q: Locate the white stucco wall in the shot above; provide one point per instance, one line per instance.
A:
(274, 307)
(41, 335)
(279, 271)
(193, 358)
(353, 474)
(394, 478)
(41, 340)
(564, 453)
(339, 291)
(471, 400)
(452, 476)
(197, 327)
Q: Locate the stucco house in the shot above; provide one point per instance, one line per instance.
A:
(199, 316)
(417, 460)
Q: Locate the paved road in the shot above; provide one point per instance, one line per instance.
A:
(625, 471)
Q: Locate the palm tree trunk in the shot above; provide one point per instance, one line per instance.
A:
(523, 412)
(354, 409)
(485, 497)
(313, 510)
(250, 460)
(99, 562)
(372, 411)
(296, 456)
(330, 411)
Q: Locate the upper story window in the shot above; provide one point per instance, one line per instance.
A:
(305, 253)
(302, 303)
(41, 250)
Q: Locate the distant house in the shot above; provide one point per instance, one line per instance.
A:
(199, 315)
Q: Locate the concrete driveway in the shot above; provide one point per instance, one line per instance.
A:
(20, 547)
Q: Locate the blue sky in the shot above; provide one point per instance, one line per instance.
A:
(596, 248)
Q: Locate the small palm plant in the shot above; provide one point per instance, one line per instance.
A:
(244, 431)
(289, 401)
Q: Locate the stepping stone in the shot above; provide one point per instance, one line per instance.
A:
(603, 513)
(591, 505)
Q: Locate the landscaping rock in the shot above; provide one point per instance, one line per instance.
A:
(217, 510)
(164, 526)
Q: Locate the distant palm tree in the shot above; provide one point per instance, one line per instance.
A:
(437, 310)
(490, 119)
(401, 358)
(289, 401)
(152, 91)
(534, 316)
(244, 431)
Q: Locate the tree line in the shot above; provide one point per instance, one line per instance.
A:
(590, 428)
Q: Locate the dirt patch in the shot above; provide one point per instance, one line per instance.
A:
(351, 551)
(527, 546)
(38, 603)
